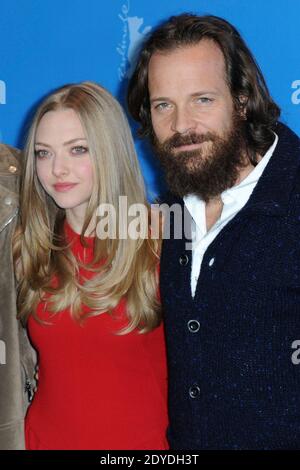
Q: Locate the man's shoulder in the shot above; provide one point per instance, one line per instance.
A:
(287, 136)
(10, 160)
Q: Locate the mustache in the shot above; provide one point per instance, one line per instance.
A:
(177, 140)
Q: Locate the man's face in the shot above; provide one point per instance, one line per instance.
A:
(194, 119)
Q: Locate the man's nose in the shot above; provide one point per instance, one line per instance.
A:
(183, 121)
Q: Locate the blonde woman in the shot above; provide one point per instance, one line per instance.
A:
(90, 302)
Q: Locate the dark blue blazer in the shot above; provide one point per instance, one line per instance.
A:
(233, 383)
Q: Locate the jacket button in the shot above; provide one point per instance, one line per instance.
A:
(211, 262)
(194, 391)
(183, 260)
(193, 326)
(12, 168)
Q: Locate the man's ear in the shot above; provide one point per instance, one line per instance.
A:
(242, 106)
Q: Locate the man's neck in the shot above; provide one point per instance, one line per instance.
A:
(246, 170)
(213, 211)
(214, 207)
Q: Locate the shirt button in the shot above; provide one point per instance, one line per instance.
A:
(194, 391)
(183, 260)
(193, 326)
(7, 201)
(211, 262)
(12, 168)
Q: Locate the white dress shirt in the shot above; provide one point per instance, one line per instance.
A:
(233, 200)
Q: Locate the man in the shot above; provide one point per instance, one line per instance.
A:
(232, 304)
(16, 355)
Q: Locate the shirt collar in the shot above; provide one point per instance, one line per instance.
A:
(247, 183)
(233, 198)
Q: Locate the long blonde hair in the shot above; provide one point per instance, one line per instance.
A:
(40, 249)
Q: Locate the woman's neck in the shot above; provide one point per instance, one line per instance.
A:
(76, 222)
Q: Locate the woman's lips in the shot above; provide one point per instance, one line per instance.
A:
(63, 187)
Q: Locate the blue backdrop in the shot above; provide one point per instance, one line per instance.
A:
(47, 43)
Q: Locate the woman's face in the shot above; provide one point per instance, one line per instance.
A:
(63, 162)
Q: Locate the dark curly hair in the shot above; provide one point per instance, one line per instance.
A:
(243, 75)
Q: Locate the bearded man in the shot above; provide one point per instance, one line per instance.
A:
(232, 303)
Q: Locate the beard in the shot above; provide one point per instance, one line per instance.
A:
(208, 170)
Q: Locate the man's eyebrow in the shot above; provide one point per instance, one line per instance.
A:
(196, 93)
(204, 92)
(159, 98)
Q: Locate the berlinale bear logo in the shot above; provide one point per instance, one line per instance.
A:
(133, 35)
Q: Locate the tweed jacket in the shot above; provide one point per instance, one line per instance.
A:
(17, 358)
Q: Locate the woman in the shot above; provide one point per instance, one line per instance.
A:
(90, 301)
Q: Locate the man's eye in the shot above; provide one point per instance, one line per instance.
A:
(41, 153)
(162, 106)
(79, 150)
(204, 100)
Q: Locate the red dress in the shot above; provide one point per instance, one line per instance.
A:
(97, 390)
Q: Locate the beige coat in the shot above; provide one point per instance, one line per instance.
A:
(17, 358)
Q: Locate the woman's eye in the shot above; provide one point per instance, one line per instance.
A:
(79, 150)
(41, 153)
